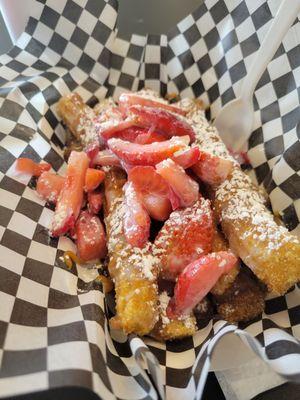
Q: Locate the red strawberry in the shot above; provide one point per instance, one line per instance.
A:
(71, 196)
(93, 178)
(182, 184)
(90, 237)
(130, 134)
(136, 219)
(196, 280)
(49, 186)
(174, 199)
(111, 128)
(149, 137)
(128, 99)
(92, 150)
(153, 191)
(157, 207)
(212, 169)
(106, 157)
(161, 120)
(145, 154)
(186, 157)
(27, 166)
(95, 202)
(186, 235)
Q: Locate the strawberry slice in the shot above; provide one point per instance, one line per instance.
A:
(187, 157)
(130, 134)
(153, 191)
(111, 128)
(71, 196)
(93, 178)
(49, 185)
(149, 137)
(212, 169)
(95, 202)
(136, 219)
(106, 157)
(187, 234)
(145, 154)
(129, 99)
(161, 120)
(196, 280)
(27, 166)
(92, 150)
(182, 184)
(90, 237)
(174, 199)
(157, 207)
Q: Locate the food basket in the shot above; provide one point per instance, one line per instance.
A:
(53, 326)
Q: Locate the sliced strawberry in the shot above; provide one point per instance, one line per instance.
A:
(149, 137)
(71, 196)
(197, 279)
(106, 157)
(49, 185)
(153, 191)
(95, 202)
(27, 166)
(182, 184)
(129, 99)
(93, 178)
(130, 134)
(186, 235)
(145, 154)
(92, 150)
(174, 199)
(136, 219)
(162, 120)
(90, 237)
(158, 207)
(212, 169)
(187, 157)
(111, 128)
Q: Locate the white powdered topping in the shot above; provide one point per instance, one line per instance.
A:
(87, 127)
(245, 203)
(163, 304)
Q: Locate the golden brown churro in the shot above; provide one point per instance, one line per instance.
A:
(78, 117)
(133, 270)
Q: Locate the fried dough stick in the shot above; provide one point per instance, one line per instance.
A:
(172, 329)
(78, 117)
(133, 270)
(269, 250)
(237, 296)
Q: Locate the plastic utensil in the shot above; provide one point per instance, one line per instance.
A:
(235, 120)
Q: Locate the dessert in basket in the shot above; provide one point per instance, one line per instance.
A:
(151, 189)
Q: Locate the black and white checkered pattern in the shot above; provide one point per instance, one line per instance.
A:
(51, 333)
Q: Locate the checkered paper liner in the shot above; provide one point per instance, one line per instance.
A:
(53, 326)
